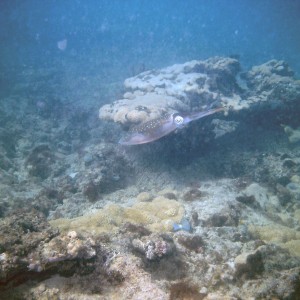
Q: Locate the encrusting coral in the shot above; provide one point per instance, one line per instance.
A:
(157, 215)
(154, 247)
(153, 93)
(197, 85)
(293, 134)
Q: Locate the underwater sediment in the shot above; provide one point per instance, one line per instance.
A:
(208, 212)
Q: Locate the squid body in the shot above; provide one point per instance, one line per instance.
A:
(155, 129)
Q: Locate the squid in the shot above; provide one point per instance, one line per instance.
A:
(157, 128)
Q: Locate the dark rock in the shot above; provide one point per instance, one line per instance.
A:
(248, 200)
(3, 208)
(285, 286)
(20, 235)
(23, 231)
(283, 194)
(39, 161)
(283, 180)
(139, 230)
(284, 156)
(227, 217)
(194, 219)
(193, 194)
(8, 142)
(115, 277)
(5, 163)
(91, 191)
(249, 265)
(264, 261)
(170, 195)
(184, 290)
(108, 171)
(217, 220)
(289, 163)
(192, 243)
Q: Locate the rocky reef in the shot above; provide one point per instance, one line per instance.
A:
(157, 215)
(210, 212)
(236, 248)
(197, 85)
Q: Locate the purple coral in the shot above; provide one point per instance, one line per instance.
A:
(153, 247)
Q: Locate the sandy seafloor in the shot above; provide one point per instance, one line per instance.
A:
(239, 193)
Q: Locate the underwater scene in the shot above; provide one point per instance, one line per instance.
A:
(149, 150)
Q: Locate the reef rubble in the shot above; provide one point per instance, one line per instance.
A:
(235, 250)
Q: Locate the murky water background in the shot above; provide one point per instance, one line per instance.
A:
(210, 211)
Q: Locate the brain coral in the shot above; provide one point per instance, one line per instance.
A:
(157, 215)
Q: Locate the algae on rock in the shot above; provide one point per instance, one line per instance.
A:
(157, 215)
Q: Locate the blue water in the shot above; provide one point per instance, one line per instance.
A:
(157, 33)
(61, 60)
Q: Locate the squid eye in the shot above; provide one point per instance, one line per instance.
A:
(178, 120)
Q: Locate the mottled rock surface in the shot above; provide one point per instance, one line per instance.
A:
(112, 209)
(196, 85)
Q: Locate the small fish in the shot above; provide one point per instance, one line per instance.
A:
(157, 128)
(184, 225)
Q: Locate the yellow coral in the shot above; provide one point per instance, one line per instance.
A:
(293, 134)
(297, 214)
(158, 215)
(293, 247)
(275, 233)
(295, 179)
(143, 197)
(139, 216)
(171, 212)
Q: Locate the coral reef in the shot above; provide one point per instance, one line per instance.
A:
(195, 85)
(154, 247)
(157, 215)
(293, 134)
(189, 86)
(217, 256)
(192, 243)
(21, 234)
(249, 265)
(184, 290)
(284, 236)
(116, 208)
(31, 249)
(193, 194)
(143, 197)
(138, 283)
(29, 244)
(39, 161)
(107, 171)
(62, 248)
(7, 142)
